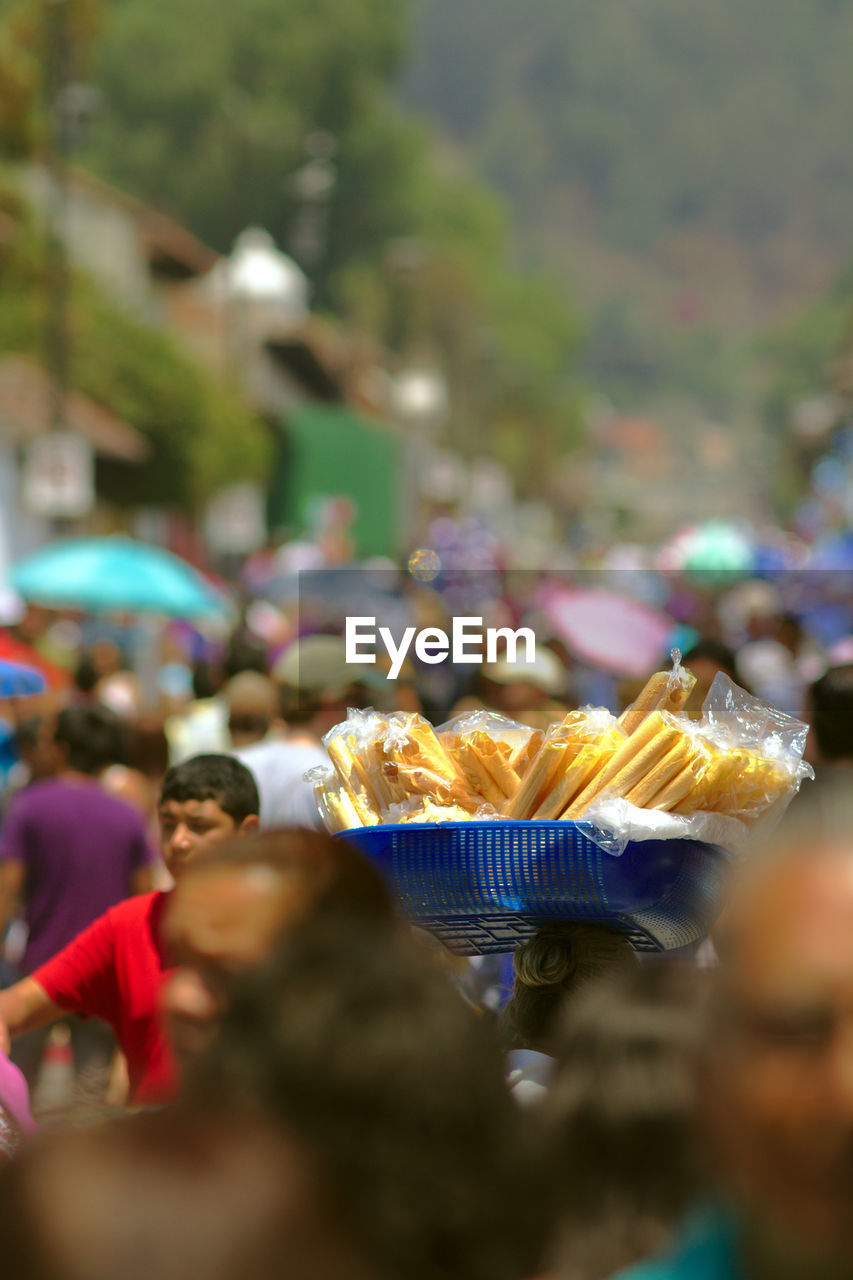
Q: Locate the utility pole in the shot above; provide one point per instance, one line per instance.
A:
(57, 63)
(59, 469)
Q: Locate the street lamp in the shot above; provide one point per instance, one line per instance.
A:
(420, 401)
(313, 187)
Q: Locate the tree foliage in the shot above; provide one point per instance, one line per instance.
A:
(731, 114)
(210, 111)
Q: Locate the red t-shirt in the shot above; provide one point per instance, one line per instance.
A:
(115, 970)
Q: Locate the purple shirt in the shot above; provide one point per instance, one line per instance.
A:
(80, 847)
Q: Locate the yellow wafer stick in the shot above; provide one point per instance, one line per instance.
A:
(523, 756)
(473, 769)
(543, 770)
(412, 742)
(494, 760)
(339, 812)
(589, 758)
(348, 770)
(645, 761)
(624, 761)
(664, 691)
(382, 775)
(669, 797)
(663, 772)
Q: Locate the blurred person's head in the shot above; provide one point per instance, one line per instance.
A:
(830, 710)
(317, 684)
(174, 1195)
(207, 679)
(356, 1044)
(203, 801)
(618, 1120)
(106, 658)
(252, 703)
(553, 966)
(88, 739)
(245, 653)
(790, 632)
(148, 749)
(777, 1085)
(138, 779)
(34, 742)
(231, 906)
(86, 675)
(706, 659)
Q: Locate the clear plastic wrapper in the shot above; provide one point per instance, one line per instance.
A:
(636, 757)
(423, 809)
(383, 760)
(664, 691)
(755, 755)
(334, 804)
(489, 751)
(742, 765)
(718, 779)
(421, 765)
(353, 748)
(571, 752)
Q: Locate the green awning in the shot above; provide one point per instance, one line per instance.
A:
(330, 451)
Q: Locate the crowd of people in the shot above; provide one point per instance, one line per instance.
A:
(276, 1076)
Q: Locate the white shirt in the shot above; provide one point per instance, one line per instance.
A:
(287, 800)
(530, 1074)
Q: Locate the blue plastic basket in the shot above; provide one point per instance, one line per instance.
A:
(485, 887)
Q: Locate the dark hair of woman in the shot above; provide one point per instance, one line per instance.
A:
(558, 962)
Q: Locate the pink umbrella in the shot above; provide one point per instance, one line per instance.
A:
(608, 630)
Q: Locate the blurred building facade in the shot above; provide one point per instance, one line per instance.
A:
(246, 320)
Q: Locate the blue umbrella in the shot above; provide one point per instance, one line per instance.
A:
(115, 574)
(18, 681)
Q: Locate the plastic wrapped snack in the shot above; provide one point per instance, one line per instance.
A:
(571, 752)
(656, 750)
(335, 805)
(355, 749)
(485, 748)
(664, 691)
(754, 755)
(741, 765)
(421, 765)
(423, 809)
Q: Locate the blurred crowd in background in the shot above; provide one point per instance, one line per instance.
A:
(346, 1097)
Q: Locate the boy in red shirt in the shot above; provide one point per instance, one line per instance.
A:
(116, 967)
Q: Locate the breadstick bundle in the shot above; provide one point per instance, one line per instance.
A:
(421, 764)
(572, 752)
(335, 805)
(740, 760)
(664, 691)
(757, 753)
(490, 751)
(356, 752)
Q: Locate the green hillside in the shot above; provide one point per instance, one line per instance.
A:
(688, 164)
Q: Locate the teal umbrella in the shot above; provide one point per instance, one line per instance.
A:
(115, 574)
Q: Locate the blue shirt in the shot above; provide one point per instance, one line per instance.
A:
(703, 1250)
